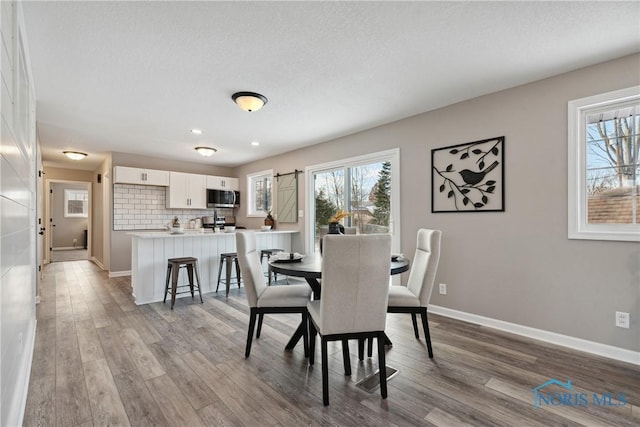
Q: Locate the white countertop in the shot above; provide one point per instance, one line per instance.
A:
(197, 233)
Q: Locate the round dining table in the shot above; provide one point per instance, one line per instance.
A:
(310, 268)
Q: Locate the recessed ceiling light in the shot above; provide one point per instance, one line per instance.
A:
(255, 143)
(75, 155)
(196, 131)
(205, 151)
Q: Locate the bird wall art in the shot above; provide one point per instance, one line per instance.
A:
(468, 177)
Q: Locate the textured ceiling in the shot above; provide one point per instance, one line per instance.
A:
(135, 77)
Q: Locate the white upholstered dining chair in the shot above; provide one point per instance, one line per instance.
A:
(265, 299)
(414, 297)
(353, 303)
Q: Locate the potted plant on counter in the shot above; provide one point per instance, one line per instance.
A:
(334, 222)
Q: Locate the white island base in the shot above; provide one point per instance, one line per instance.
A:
(151, 250)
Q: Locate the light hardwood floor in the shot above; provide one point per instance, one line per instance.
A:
(101, 360)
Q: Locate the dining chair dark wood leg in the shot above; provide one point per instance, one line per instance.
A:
(305, 336)
(382, 365)
(235, 260)
(325, 371)
(312, 341)
(346, 359)
(361, 349)
(370, 347)
(252, 324)
(260, 317)
(415, 325)
(425, 326)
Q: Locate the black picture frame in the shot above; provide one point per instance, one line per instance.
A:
(468, 177)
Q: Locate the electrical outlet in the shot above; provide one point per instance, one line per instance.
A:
(443, 288)
(622, 319)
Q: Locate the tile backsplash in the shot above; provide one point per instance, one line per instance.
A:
(142, 207)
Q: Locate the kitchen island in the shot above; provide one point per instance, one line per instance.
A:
(151, 250)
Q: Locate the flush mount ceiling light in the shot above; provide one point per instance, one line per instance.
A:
(196, 131)
(206, 151)
(249, 101)
(255, 143)
(75, 155)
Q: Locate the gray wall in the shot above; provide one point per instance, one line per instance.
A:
(66, 229)
(517, 266)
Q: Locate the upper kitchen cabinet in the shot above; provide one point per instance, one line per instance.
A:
(126, 175)
(186, 191)
(223, 183)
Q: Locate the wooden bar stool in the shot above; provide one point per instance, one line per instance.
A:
(173, 269)
(229, 258)
(267, 253)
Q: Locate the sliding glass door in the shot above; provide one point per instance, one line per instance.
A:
(362, 186)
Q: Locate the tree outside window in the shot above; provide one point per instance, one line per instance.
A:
(604, 145)
(612, 166)
(363, 190)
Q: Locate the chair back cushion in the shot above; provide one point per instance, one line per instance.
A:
(425, 265)
(355, 283)
(250, 266)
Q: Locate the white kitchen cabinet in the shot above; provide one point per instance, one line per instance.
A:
(186, 191)
(223, 183)
(127, 175)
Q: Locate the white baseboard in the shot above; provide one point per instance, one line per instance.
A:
(67, 248)
(97, 262)
(119, 273)
(580, 344)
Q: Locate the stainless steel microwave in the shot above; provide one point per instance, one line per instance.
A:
(223, 199)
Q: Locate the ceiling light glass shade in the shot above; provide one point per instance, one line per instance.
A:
(75, 155)
(206, 151)
(196, 131)
(249, 101)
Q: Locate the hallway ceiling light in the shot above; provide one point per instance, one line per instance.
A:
(196, 131)
(249, 101)
(75, 155)
(206, 151)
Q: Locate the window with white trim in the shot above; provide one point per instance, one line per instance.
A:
(76, 203)
(366, 186)
(259, 193)
(603, 152)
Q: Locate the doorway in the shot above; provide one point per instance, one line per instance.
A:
(68, 211)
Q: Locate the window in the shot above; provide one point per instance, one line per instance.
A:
(76, 203)
(259, 200)
(603, 143)
(367, 187)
